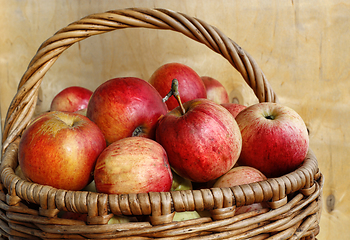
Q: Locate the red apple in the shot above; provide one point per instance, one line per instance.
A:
(239, 176)
(191, 85)
(133, 165)
(233, 108)
(71, 99)
(60, 149)
(274, 138)
(125, 107)
(215, 90)
(202, 143)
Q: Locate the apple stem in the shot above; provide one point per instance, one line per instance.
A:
(170, 93)
(175, 87)
(174, 91)
(137, 132)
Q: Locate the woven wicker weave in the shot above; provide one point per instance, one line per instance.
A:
(29, 210)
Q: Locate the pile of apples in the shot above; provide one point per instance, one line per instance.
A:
(134, 136)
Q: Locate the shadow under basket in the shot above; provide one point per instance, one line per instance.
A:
(30, 211)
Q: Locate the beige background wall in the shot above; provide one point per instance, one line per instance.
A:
(302, 47)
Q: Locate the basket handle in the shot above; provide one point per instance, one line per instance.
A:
(23, 104)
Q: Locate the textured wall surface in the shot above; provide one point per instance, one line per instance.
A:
(301, 46)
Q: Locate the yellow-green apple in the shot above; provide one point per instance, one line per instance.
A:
(191, 85)
(126, 107)
(82, 111)
(233, 108)
(187, 215)
(215, 90)
(60, 149)
(180, 183)
(133, 165)
(239, 176)
(274, 138)
(71, 99)
(19, 172)
(116, 219)
(90, 187)
(201, 138)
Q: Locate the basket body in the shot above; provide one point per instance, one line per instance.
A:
(29, 210)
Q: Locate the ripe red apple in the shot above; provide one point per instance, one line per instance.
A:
(233, 108)
(60, 149)
(71, 99)
(191, 85)
(202, 143)
(133, 165)
(215, 90)
(274, 138)
(125, 107)
(239, 176)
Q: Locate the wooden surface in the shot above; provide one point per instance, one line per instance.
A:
(302, 47)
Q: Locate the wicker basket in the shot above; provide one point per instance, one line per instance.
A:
(29, 210)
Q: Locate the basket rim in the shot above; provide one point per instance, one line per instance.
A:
(275, 192)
